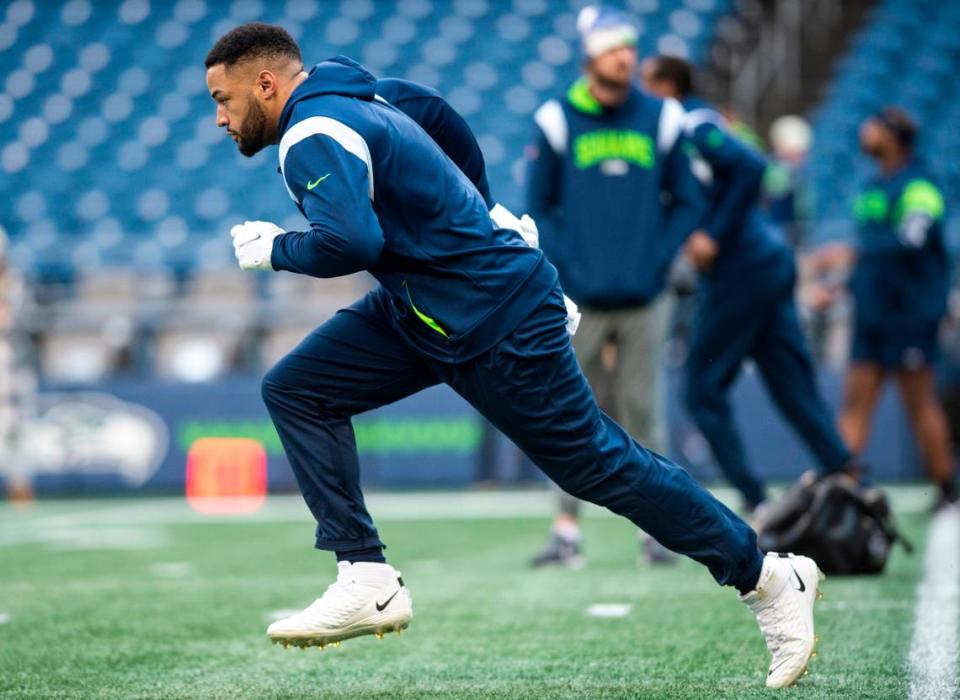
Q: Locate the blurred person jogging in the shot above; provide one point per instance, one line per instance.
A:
(899, 284)
(745, 308)
(610, 186)
(461, 301)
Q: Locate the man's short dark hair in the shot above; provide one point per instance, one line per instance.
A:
(676, 70)
(253, 40)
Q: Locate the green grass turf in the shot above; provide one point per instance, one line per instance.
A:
(102, 623)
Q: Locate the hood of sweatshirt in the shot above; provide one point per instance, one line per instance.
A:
(335, 76)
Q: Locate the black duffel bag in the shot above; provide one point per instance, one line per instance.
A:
(845, 527)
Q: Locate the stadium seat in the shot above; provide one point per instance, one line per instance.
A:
(113, 158)
(147, 152)
(907, 54)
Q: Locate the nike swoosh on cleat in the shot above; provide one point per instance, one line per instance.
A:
(799, 580)
(380, 607)
(777, 667)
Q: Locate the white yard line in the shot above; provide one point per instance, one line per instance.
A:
(933, 651)
(608, 610)
(62, 538)
(468, 505)
(26, 525)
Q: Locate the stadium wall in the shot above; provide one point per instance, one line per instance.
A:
(134, 436)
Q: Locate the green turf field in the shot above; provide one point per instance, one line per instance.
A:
(143, 599)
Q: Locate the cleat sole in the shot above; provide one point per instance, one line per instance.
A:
(335, 639)
(821, 577)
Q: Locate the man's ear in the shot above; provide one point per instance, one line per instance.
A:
(266, 83)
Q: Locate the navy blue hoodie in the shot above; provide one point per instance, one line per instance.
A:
(613, 195)
(733, 171)
(381, 195)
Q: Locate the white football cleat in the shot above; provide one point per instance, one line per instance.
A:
(366, 598)
(783, 603)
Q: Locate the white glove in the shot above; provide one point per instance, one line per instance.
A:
(253, 244)
(573, 315)
(527, 228)
(529, 231)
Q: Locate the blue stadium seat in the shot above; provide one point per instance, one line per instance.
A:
(908, 54)
(107, 134)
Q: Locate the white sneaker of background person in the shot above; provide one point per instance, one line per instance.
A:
(527, 228)
(783, 603)
(366, 598)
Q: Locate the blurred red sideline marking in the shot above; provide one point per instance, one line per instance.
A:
(226, 475)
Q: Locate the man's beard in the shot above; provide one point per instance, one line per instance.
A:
(252, 136)
(612, 84)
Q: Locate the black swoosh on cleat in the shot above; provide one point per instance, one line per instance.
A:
(380, 607)
(775, 668)
(799, 580)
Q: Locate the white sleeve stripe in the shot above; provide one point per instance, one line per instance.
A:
(701, 116)
(349, 139)
(553, 123)
(671, 122)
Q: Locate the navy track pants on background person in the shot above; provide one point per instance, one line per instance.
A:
(735, 321)
(530, 387)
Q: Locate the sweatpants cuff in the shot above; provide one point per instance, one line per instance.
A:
(749, 582)
(343, 545)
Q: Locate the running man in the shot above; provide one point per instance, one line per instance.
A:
(734, 321)
(460, 301)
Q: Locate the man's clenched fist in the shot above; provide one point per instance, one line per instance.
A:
(253, 243)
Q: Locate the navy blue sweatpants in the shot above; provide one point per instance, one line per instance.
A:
(530, 387)
(734, 322)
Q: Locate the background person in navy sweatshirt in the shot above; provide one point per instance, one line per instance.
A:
(746, 305)
(460, 301)
(899, 284)
(604, 159)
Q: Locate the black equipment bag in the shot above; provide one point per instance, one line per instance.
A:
(843, 526)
